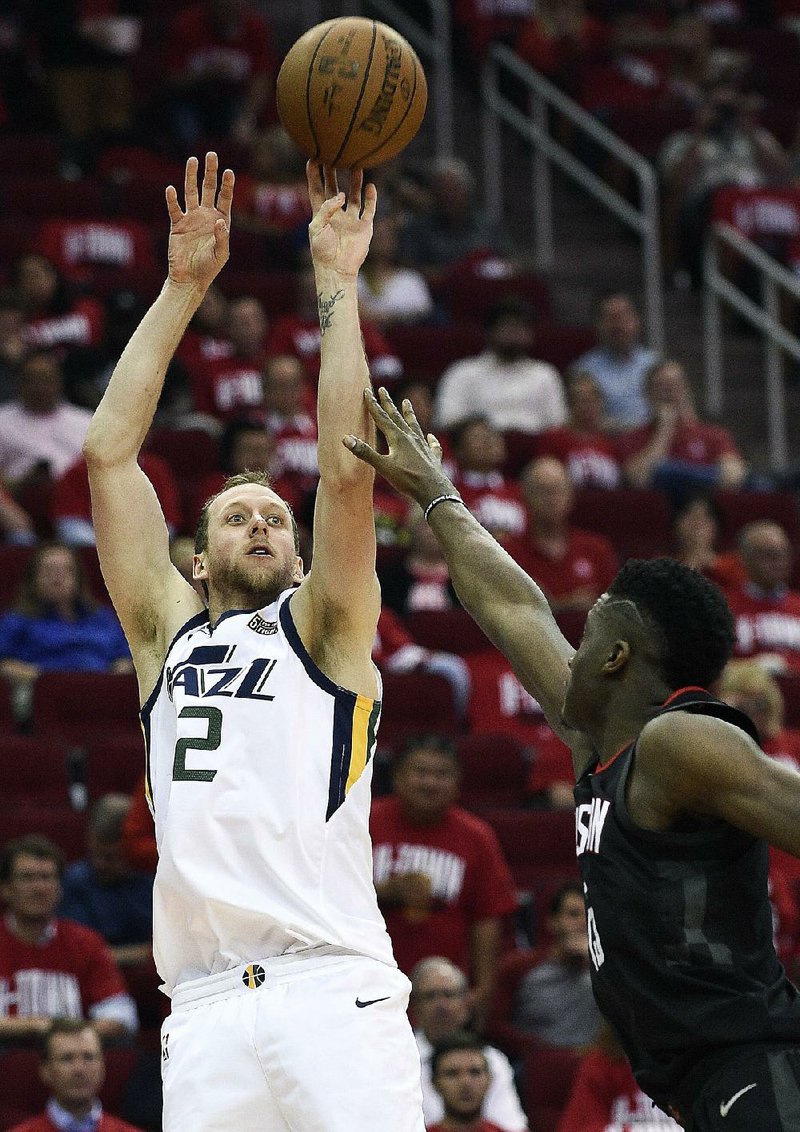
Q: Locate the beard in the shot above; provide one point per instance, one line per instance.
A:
(241, 587)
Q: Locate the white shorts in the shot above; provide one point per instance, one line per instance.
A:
(298, 1043)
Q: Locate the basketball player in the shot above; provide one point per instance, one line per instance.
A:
(259, 714)
(675, 805)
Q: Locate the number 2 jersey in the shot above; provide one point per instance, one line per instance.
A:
(258, 775)
(680, 930)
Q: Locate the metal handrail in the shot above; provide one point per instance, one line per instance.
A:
(436, 48)
(546, 151)
(777, 339)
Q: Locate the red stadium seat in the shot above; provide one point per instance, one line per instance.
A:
(790, 689)
(82, 706)
(450, 630)
(66, 827)
(426, 351)
(37, 195)
(637, 521)
(562, 345)
(114, 764)
(539, 845)
(493, 771)
(742, 507)
(416, 702)
(14, 562)
(33, 772)
(471, 286)
(190, 452)
(22, 1093)
(571, 623)
(8, 720)
(548, 1075)
(277, 290)
(90, 565)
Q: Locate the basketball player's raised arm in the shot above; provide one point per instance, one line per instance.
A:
(506, 603)
(151, 598)
(339, 601)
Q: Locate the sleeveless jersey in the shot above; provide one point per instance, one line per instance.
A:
(680, 930)
(258, 775)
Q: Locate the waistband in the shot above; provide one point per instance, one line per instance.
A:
(248, 977)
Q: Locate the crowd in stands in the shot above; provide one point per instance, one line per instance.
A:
(576, 446)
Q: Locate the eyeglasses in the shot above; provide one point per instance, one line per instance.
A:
(428, 996)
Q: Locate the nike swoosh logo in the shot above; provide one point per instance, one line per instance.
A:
(371, 1001)
(726, 1106)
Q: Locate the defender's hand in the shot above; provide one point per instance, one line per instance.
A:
(413, 463)
(340, 230)
(199, 237)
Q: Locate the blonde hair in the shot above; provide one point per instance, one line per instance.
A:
(746, 678)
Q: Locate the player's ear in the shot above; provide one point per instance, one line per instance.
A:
(618, 656)
(199, 568)
(298, 573)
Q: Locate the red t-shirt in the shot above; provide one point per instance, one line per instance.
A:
(72, 497)
(496, 502)
(697, 442)
(498, 703)
(194, 45)
(283, 207)
(784, 747)
(64, 977)
(228, 387)
(605, 1092)
(589, 562)
(552, 762)
(766, 625)
(470, 880)
(295, 447)
(82, 325)
(592, 459)
(43, 1123)
(301, 337)
(196, 350)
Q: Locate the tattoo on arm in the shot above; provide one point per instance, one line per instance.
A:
(326, 309)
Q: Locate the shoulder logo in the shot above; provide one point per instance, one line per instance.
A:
(253, 975)
(259, 625)
(726, 1106)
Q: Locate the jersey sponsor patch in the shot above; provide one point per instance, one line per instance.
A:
(264, 628)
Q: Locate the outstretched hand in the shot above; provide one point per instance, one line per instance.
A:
(341, 227)
(199, 237)
(413, 463)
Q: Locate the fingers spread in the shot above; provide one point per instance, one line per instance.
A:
(362, 450)
(354, 193)
(391, 409)
(210, 180)
(331, 181)
(410, 418)
(316, 187)
(190, 183)
(370, 201)
(225, 198)
(173, 208)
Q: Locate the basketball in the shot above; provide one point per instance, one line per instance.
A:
(351, 92)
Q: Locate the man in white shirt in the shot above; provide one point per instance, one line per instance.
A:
(505, 383)
(441, 1001)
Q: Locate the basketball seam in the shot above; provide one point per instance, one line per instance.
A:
(357, 106)
(309, 77)
(386, 140)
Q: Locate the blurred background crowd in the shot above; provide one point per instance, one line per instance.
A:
(569, 436)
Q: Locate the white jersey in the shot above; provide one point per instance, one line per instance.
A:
(259, 775)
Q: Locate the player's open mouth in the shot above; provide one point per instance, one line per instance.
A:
(260, 551)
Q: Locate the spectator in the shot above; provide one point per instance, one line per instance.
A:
(584, 447)
(71, 508)
(299, 334)
(54, 317)
(505, 383)
(206, 338)
(16, 526)
(56, 625)
(675, 451)
(229, 386)
(545, 994)
(272, 198)
(138, 832)
(696, 530)
(395, 650)
(290, 415)
(453, 227)
(85, 50)
(572, 566)
(560, 39)
(766, 611)
(460, 1073)
(605, 1096)
(552, 776)
(387, 293)
(420, 579)
(495, 501)
(12, 341)
(73, 1069)
(221, 68)
(442, 1004)
(619, 362)
(104, 893)
(726, 146)
(440, 876)
(749, 687)
(41, 434)
(52, 967)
